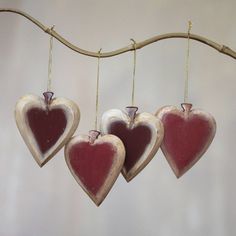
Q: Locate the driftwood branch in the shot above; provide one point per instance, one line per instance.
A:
(219, 47)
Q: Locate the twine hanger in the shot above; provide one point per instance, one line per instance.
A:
(186, 82)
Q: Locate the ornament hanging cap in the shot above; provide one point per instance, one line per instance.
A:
(93, 135)
(48, 96)
(186, 107)
(131, 111)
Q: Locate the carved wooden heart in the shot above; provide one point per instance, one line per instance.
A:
(188, 134)
(95, 162)
(141, 134)
(46, 124)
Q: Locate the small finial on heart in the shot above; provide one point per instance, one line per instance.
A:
(93, 135)
(186, 107)
(48, 96)
(131, 112)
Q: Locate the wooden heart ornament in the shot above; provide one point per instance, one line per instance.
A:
(95, 162)
(141, 134)
(188, 134)
(46, 124)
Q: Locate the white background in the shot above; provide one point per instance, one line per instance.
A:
(48, 201)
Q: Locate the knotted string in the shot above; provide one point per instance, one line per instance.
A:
(187, 64)
(97, 89)
(134, 71)
(49, 82)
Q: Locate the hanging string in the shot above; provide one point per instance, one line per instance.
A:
(187, 64)
(97, 89)
(134, 71)
(49, 83)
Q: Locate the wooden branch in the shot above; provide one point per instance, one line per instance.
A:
(221, 48)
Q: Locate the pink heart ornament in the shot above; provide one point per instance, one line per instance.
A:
(188, 134)
(95, 162)
(46, 124)
(141, 134)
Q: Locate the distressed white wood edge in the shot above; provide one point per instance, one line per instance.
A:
(115, 170)
(174, 110)
(31, 101)
(157, 130)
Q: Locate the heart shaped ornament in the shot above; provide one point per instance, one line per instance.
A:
(95, 162)
(141, 134)
(188, 134)
(46, 124)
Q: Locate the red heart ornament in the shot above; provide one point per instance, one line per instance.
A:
(95, 162)
(46, 124)
(188, 134)
(141, 134)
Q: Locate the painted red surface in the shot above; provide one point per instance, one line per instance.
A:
(47, 126)
(185, 139)
(135, 141)
(92, 163)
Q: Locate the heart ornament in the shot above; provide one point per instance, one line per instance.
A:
(46, 124)
(141, 133)
(95, 161)
(188, 134)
